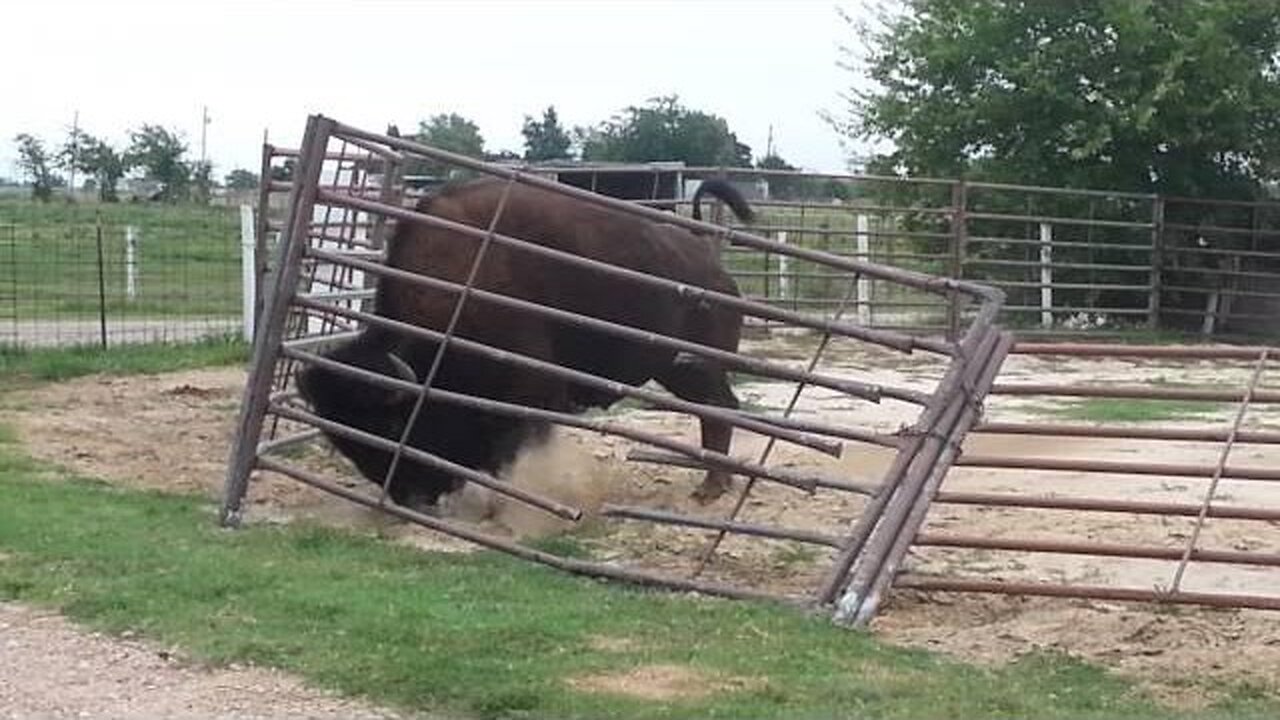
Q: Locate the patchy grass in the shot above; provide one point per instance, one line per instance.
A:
(19, 365)
(484, 634)
(1103, 410)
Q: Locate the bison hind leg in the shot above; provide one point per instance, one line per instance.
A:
(699, 380)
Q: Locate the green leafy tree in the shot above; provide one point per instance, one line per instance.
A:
(202, 181)
(95, 158)
(159, 153)
(451, 132)
(664, 130)
(546, 139)
(241, 179)
(1182, 97)
(35, 162)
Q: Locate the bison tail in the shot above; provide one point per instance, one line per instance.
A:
(724, 191)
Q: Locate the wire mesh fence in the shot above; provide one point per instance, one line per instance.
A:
(78, 274)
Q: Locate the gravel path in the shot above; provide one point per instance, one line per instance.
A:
(50, 669)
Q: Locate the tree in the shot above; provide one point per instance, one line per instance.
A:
(35, 163)
(545, 139)
(1182, 97)
(159, 154)
(95, 158)
(202, 181)
(664, 130)
(451, 132)
(241, 179)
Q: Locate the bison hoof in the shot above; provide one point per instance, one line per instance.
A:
(711, 490)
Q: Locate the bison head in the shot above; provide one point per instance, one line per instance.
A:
(468, 437)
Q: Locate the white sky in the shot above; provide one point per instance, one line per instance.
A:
(268, 64)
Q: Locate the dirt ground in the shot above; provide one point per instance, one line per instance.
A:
(173, 432)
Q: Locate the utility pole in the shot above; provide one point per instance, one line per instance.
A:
(75, 154)
(768, 152)
(204, 128)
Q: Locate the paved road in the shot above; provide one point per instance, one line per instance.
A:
(63, 333)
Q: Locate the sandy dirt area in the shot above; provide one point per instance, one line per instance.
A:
(173, 432)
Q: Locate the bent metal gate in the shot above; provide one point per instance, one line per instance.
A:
(346, 201)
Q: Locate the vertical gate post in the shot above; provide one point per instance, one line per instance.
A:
(1046, 275)
(266, 351)
(248, 273)
(863, 283)
(1157, 261)
(131, 263)
(959, 233)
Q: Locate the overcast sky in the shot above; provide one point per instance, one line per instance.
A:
(266, 64)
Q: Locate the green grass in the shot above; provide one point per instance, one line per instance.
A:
(23, 365)
(481, 634)
(187, 259)
(1133, 411)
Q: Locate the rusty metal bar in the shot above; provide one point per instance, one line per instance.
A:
(1185, 352)
(864, 390)
(695, 454)
(817, 479)
(266, 348)
(1132, 392)
(1090, 504)
(924, 445)
(1262, 437)
(1218, 470)
(732, 526)
(1068, 547)
(572, 565)
(897, 341)
(757, 424)
(288, 441)
(884, 553)
(1117, 467)
(551, 506)
(905, 277)
(1096, 592)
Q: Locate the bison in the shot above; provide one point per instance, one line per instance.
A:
(487, 441)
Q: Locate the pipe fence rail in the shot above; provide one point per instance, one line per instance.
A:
(1189, 532)
(346, 198)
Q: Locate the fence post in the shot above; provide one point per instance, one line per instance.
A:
(1046, 275)
(131, 262)
(102, 283)
(784, 267)
(248, 272)
(959, 232)
(1157, 261)
(863, 239)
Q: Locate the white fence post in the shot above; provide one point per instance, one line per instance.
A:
(1046, 275)
(130, 263)
(784, 269)
(248, 265)
(863, 237)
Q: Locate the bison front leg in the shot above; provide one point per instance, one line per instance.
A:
(699, 380)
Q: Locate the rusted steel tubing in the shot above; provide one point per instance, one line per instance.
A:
(882, 565)
(698, 454)
(1117, 467)
(1096, 592)
(578, 567)
(426, 458)
(611, 386)
(1061, 191)
(905, 277)
(1260, 437)
(741, 528)
(684, 461)
(1189, 352)
(287, 441)
(921, 449)
(905, 343)
(867, 391)
(1067, 547)
(1060, 220)
(1141, 507)
(271, 330)
(1136, 392)
(320, 340)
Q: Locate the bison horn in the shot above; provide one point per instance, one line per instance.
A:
(404, 369)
